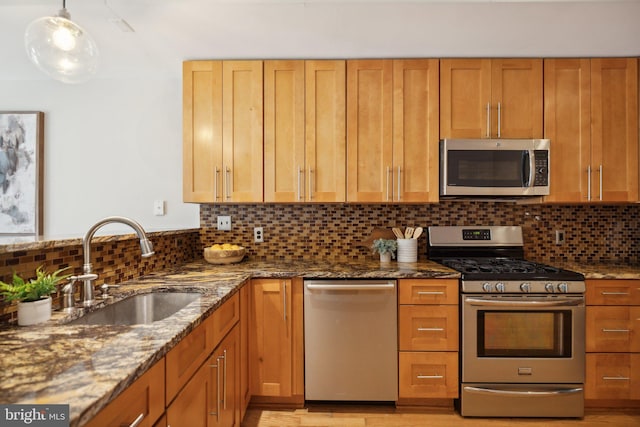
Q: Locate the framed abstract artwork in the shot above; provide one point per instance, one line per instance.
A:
(21, 172)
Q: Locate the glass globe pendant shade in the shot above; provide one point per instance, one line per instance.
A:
(61, 48)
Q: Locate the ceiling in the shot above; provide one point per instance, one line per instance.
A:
(166, 32)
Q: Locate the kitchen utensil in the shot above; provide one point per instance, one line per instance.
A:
(408, 232)
(397, 233)
(418, 232)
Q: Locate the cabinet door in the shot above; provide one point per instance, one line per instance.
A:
(271, 339)
(244, 393)
(369, 130)
(225, 381)
(242, 128)
(415, 130)
(143, 401)
(516, 98)
(567, 123)
(465, 97)
(284, 163)
(192, 405)
(202, 131)
(612, 376)
(614, 131)
(325, 131)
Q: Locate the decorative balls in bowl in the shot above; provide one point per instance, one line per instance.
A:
(224, 254)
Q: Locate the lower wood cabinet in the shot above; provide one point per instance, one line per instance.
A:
(276, 341)
(613, 343)
(143, 402)
(428, 334)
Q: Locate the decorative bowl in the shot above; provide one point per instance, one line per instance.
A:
(224, 256)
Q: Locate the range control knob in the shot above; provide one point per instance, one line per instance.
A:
(486, 286)
(562, 287)
(525, 287)
(549, 287)
(500, 287)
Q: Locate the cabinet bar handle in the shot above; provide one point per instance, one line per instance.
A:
(600, 182)
(224, 379)
(589, 182)
(137, 421)
(217, 412)
(215, 184)
(499, 117)
(399, 184)
(300, 184)
(614, 293)
(430, 293)
(310, 184)
(228, 183)
(488, 120)
(430, 329)
(388, 173)
(284, 301)
(429, 377)
(615, 378)
(615, 330)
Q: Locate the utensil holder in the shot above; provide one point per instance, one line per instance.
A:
(407, 250)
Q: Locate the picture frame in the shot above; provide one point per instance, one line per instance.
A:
(21, 172)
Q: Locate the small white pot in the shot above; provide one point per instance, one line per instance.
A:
(385, 257)
(31, 313)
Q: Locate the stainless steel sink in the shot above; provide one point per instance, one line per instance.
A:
(138, 309)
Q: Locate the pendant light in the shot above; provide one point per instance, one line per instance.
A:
(61, 48)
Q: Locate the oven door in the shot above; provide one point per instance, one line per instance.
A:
(523, 338)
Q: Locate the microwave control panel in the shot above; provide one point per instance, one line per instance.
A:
(541, 178)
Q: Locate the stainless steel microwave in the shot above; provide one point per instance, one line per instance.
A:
(494, 167)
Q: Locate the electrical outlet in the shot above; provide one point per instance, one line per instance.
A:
(224, 223)
(559, 237)
(258, 235)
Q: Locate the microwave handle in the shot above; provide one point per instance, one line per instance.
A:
(528, 168)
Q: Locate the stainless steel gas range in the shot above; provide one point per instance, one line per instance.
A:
(522, 325)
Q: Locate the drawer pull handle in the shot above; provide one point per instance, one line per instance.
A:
(431, 329)
(429, 377)
(430, 293)
(615, 378)
(614, 293)
(137, 421)
(615, 330)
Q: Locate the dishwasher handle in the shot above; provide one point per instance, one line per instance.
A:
(337, 286)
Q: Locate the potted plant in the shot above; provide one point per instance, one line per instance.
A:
(386, 248)
(33, 295)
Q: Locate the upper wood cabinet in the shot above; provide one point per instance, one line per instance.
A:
(304, 135)
(591, 118)
(392, 130)
(490, 98)
(222, 131)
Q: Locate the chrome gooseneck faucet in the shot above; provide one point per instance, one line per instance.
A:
(88, 277)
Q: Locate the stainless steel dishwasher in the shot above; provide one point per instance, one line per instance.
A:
(350, 340)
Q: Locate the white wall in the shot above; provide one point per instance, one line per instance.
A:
(112, 147)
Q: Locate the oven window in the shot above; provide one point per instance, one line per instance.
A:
(486, 168)
(524, 333)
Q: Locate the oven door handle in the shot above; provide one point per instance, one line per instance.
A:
(524, 303)
(527, 393)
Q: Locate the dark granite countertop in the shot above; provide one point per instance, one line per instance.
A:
(602, 270)
(88, 366)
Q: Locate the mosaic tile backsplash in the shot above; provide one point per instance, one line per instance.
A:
(335, 231)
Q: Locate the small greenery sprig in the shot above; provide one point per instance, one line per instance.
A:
(34, 289)
(384, 245)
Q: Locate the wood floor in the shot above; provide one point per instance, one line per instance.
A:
(388, 416)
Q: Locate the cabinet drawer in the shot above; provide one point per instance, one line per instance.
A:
(428, 327)
(612, 376)
(613, 292)
(143, 400)
(224, 318)
(613, 329)
(428, 375)
(428, 291)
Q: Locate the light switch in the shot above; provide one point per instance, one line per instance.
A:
(158, 207)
